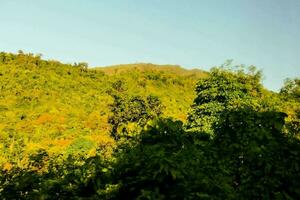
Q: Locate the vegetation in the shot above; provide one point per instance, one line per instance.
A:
(55, 107)
(134, 132)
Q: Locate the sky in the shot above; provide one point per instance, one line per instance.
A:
(191, 33)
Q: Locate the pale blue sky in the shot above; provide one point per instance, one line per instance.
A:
(191, 33)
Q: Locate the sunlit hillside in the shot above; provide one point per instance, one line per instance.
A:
(65, 108)
(144, 131)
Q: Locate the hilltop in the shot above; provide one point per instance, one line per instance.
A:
(146, 67)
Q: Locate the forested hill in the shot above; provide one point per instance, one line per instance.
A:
(144, 131)
(50, 105)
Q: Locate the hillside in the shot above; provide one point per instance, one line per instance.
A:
(141, 132)
(58, 107)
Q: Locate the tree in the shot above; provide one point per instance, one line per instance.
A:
(261, 159)
(134, 111)
(291, 88)
(165, 162)
(290, 99)
(223, 89)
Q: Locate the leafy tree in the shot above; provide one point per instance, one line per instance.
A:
(223, 89)
(134, 111)
(291, 88)
(166, 163)
(262, 161)
(290, 103)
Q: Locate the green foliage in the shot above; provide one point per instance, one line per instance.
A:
(223, 89)
(47, 104)
(56, 122)
(167, 163)
(70, 178)
(80, 145)
(262, 161)
(291, 88)
(250, 157)
(290, 98)
(134, 111)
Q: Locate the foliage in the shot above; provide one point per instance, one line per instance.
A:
(290, 98)
(223, 89)
(167, 163)
(250, 157)
(240, 140)
(291, 88)
(262, 161)
(50, 105)
(132, 112)
(70, 178)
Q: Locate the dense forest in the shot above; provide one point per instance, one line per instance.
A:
(145, 131)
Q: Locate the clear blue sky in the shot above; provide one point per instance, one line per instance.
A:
(191, 33)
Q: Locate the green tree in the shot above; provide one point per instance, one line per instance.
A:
(291, 88)
(261, 159)
(223, 89)
(134, 111)
(290, 103)
(165, 162)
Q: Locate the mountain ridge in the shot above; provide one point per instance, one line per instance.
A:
(176, 69)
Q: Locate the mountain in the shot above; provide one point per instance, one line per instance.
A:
(58, 107)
